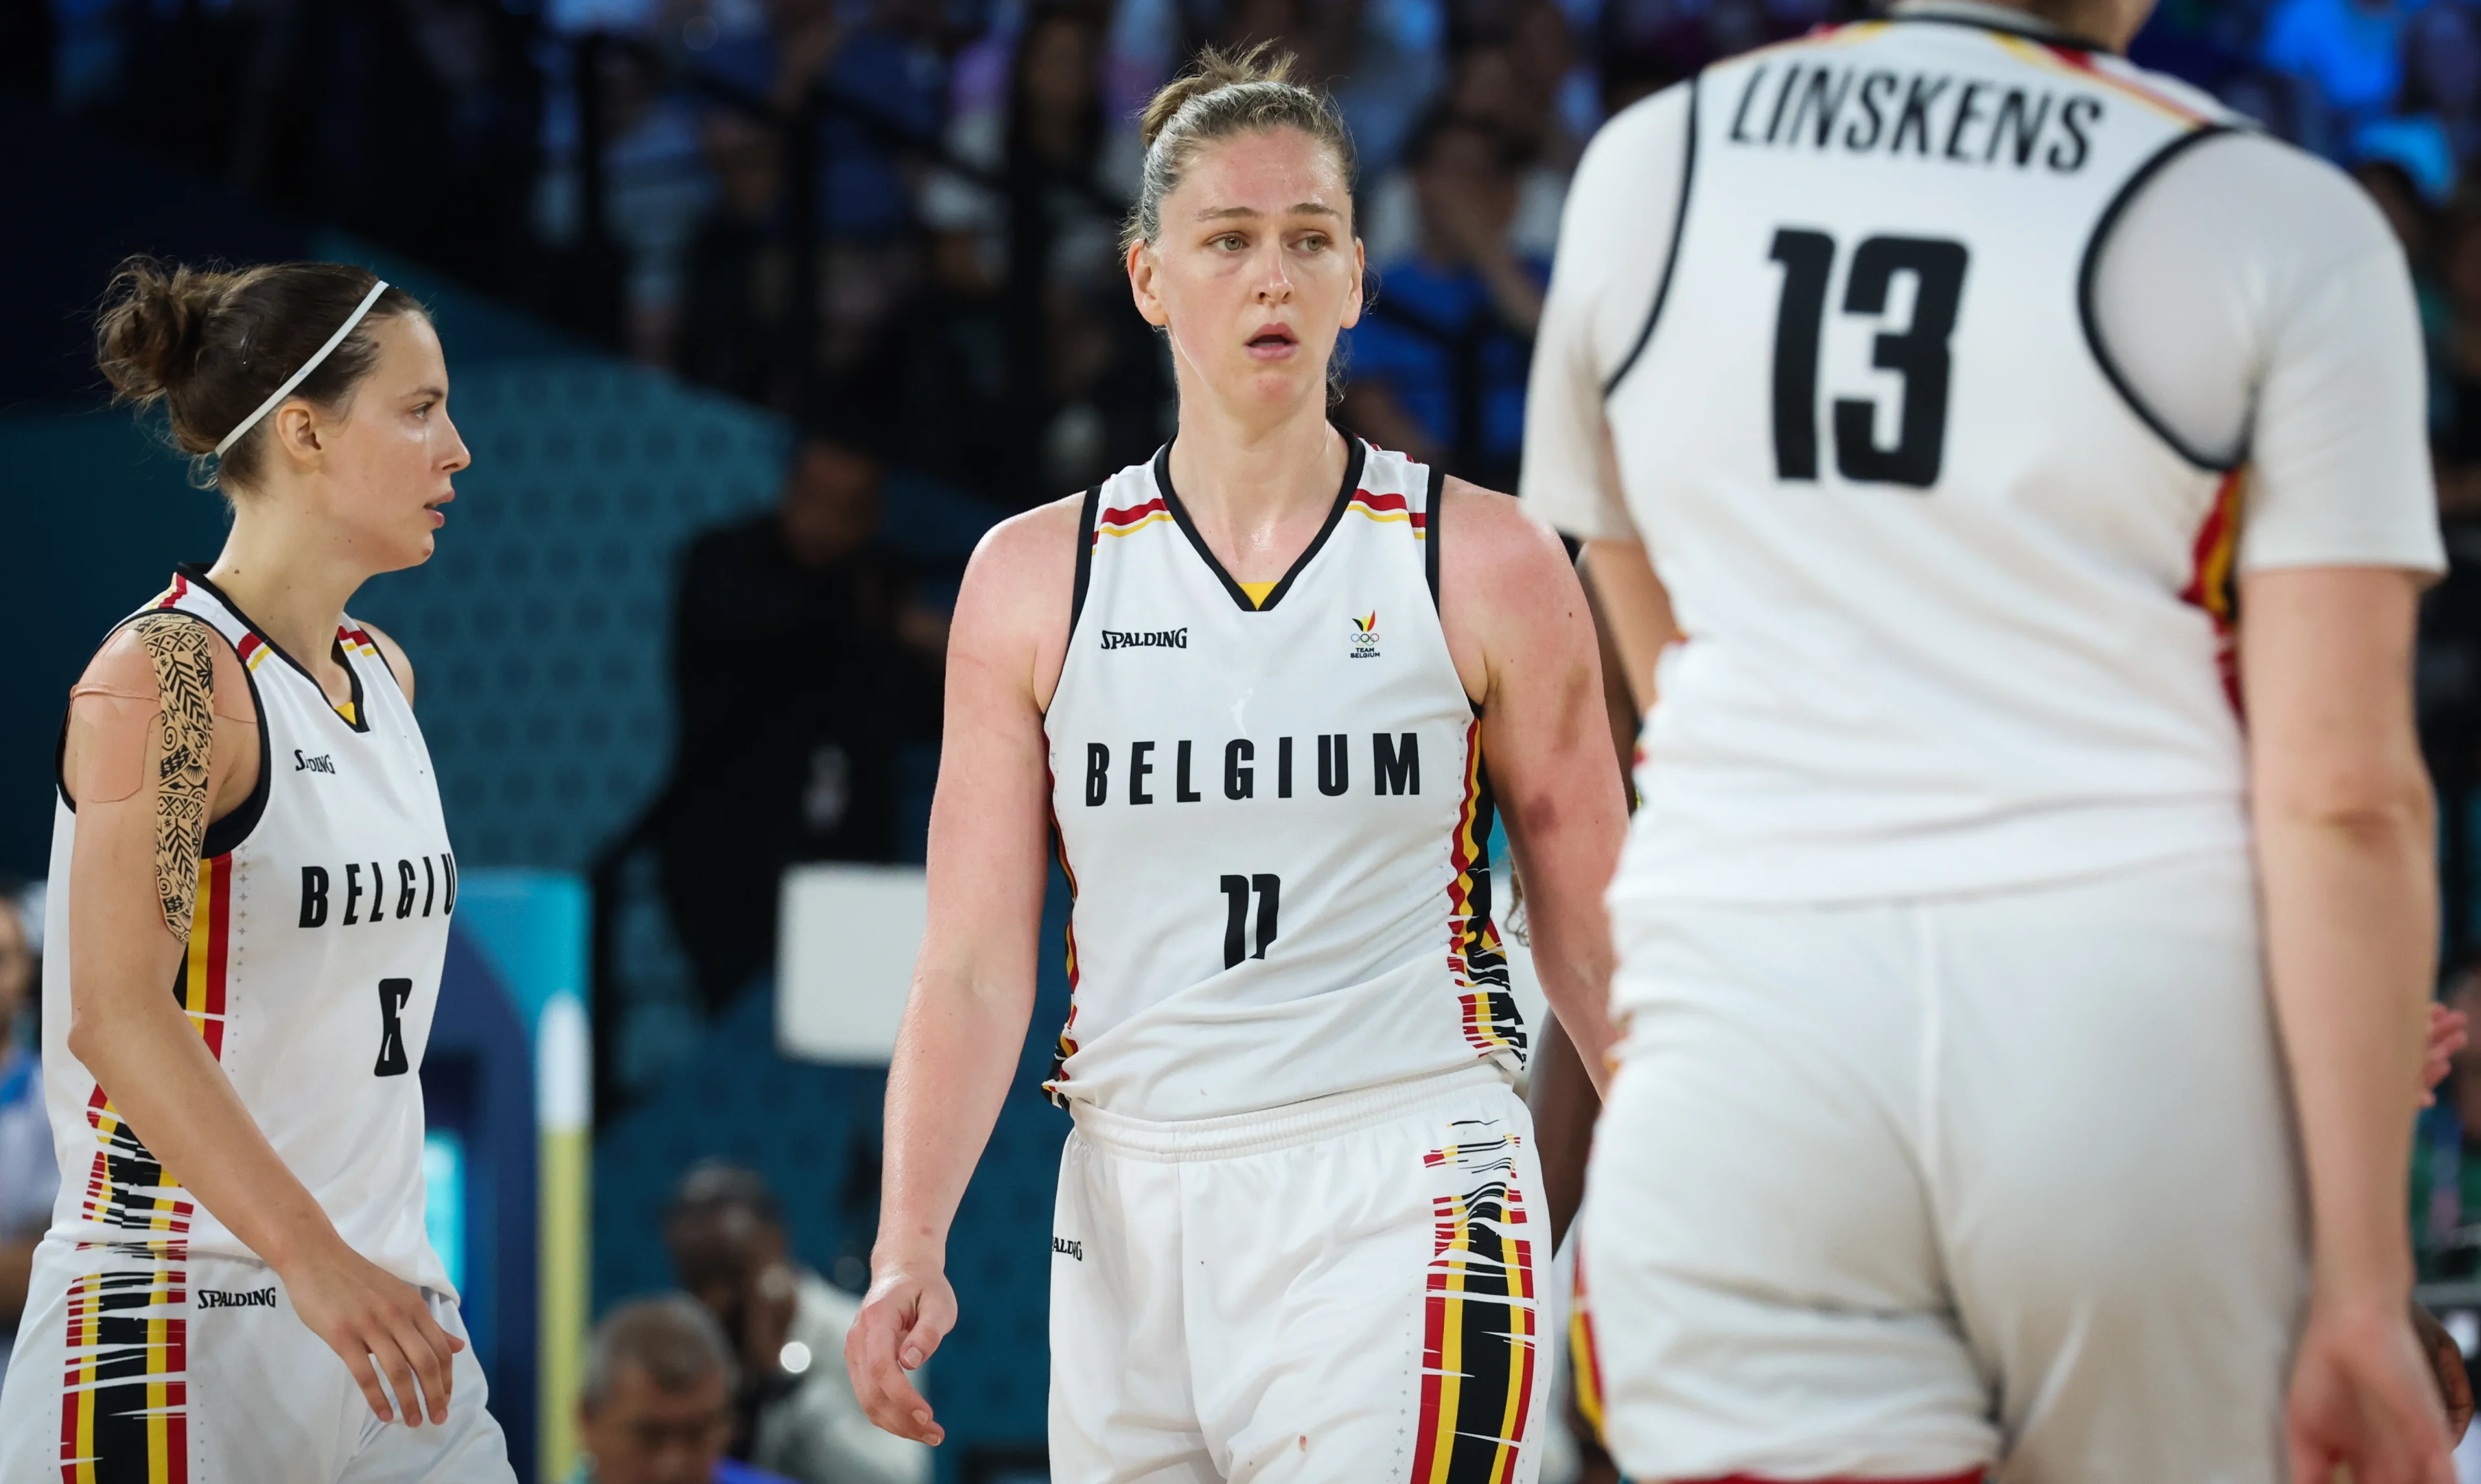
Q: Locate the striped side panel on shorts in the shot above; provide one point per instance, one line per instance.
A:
(1479, 1317)
(124, 1398)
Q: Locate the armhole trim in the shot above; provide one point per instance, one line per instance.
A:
(1089, 512)
(2089, 274)
(1432, 505)
(1671, 258)
(223, 836)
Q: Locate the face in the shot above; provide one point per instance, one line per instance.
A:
(1056, 70)
(830, 503)
(1256, 271)
(644, 1434)
(1463, 173)
(380, 466)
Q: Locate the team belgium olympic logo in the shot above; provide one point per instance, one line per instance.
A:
(1365, 637)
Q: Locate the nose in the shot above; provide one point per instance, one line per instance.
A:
(1274, 273)
(457, 456)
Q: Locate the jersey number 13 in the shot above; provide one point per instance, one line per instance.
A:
(1917, 353)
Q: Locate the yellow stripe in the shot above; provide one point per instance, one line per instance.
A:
(1581, 1359)
(1257, 591)
(194, 982)
(257, 657)
(1519, 1339)
(1156, 519)
(87, 1338)
(1451, 1345)
(158, 1448)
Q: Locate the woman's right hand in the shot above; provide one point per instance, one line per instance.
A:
(377, 1322)
(908, 1310)
(2363, 1405)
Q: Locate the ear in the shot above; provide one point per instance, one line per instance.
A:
(293, 431)
(1360, 276)
(1142, 268)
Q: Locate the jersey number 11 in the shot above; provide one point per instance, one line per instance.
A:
(1917, 353)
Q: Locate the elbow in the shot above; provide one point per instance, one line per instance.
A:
(83, 1036)
(2373, 807)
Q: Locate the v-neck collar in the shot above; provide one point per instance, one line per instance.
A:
(2005, 20)
(1355, 453)
(359, 720)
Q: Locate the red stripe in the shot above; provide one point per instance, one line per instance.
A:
(1379, 502)
(1434, 1318)
(249, 643)
(219, 946)
(180, 591)
(1135, 514)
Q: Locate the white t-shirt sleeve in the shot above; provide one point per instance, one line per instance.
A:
(1614, 249)
(2258, 307)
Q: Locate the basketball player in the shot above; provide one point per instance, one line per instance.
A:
(1927, 391)
(236, 1284)
(1269, 689)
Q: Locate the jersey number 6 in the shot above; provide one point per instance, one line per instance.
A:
(1919, 354)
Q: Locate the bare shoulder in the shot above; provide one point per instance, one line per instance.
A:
(394, 654)
(1494, 548)
(132, 661)
(1013, 609)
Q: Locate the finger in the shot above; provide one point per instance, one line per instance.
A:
(390, 1354)
(922, 1340)
(430, 1367)
(367, 1379)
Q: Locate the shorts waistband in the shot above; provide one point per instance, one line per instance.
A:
(1282, 1126)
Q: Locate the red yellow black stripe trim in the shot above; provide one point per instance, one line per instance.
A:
(124, 1392)
(2213, 576)
(1479, 1321)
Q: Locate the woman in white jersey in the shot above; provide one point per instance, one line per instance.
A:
(236, 1284)
(1267, 688)
(1929, 390)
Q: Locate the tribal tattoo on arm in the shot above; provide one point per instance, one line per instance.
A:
(185, 671)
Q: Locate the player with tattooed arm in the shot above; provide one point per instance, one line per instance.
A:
(236, 1284)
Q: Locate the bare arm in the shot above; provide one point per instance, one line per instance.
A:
(162, 737)
(973, 988)
(1517, 622)
(2345, 834)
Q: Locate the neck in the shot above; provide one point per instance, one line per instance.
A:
(1245, 481)
(289, 578)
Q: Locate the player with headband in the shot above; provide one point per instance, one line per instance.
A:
(236, 1284)
(1266, 687)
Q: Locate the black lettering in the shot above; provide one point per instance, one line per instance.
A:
(1968, 113)
(1239, 779)
(1139, 768)
(379, 895)
(2074, 116)
(393, 994)
(1335, 765)
(1816, 99)
(314, 895)
(1853, 138)
(1181, 790)
(352, 893)
(1398, 773)
(1775, 122)
(2014, 123)
(1740, 114)
(448, 868)
(405, 889)
(1098, 774)
(1914, 119)
(1236, 920)
(1270, 890)
(430, 886)
(1284, 768)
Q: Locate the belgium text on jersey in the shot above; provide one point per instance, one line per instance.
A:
(1395, 768)
(420, 886)
(1967, 121)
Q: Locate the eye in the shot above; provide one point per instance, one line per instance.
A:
(1230, 242)
(1315, 242)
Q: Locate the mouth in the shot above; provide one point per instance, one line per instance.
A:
(432, 508)
(1273, 343)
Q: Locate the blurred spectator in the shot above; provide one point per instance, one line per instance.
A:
(658, 1402)
(29, 1179)
(2457, 430)
(796, 1411)
(2442, 76)
(1437, 365)
(736, 325)
(1486, 87)
(2348, 54)
(2446, 1158)
(802, 659)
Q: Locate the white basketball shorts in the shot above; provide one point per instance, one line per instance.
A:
(1902, 1189)
(1340, 1292)
(132, 1368)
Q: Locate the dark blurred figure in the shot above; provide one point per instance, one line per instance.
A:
(736, 319)
(657, 1407)
(802, 659)
(27, 39)
(2447, 1157)
(29, 1177)
(796, 1411)
(1437, 364)
(2442, 76)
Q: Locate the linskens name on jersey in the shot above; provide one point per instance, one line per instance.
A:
(1147, 639)
(1395, 768)
(1805, 105)
(366, 890)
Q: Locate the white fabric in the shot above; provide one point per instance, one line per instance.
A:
(317, 358)
(322, 928)
(1895, 1189)
(2009, 666)
(213, 1347)
(1265, 910)
(1351, 1298)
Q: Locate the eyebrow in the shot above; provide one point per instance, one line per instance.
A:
(1303, 208)
(434, 393)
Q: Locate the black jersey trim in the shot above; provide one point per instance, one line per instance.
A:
(1089, 515)
(1671, 258)
(1431, 505)
(225, 835)
(2068, 40)
(360, 721)
(1356, 453)
(2091, 270)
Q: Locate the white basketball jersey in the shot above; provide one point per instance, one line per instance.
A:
(312, 971)
(1272, 811)
(1957, 614)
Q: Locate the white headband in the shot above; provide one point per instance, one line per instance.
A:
(312, 364)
